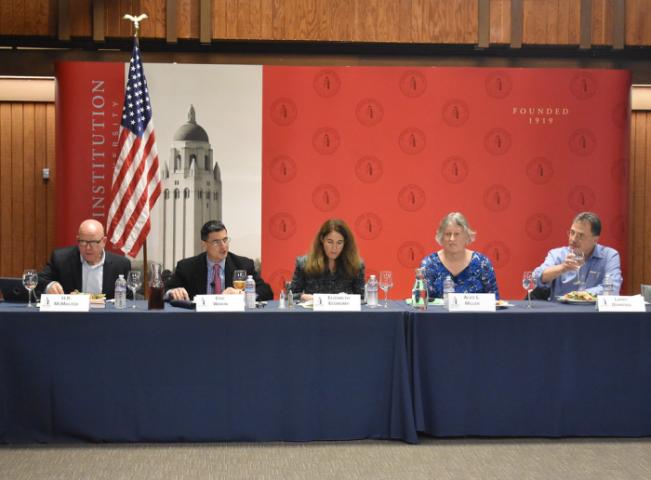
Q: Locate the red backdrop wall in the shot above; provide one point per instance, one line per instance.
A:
(391, 150)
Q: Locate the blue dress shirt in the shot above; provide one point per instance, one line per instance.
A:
(604, 260)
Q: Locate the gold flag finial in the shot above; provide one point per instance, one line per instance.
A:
(136, 21)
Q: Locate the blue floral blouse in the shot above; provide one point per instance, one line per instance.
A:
(477, 277)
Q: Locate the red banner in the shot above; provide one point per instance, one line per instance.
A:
(392, 150)
(88, 108)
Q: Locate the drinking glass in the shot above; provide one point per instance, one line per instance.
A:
(239, 279)
(386, 283)
(579, 258)
(134, 282)
(527, 284)
(30, 280)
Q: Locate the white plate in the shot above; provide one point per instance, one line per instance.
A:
(503, 305)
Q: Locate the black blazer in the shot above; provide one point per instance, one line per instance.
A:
(192, 274)
(65, 267)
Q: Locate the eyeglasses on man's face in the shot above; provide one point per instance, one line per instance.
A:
(88, 243)
(218, 241)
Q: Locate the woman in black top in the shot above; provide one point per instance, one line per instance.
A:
(332, 265)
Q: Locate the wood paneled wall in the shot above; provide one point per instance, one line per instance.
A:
(30, 17)
(426, 21)
(541, 22)
(639, 257)
(551, 22)
(27, 203)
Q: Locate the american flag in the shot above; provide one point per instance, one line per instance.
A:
(136, 177)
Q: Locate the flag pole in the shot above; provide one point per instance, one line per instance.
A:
(136, 29)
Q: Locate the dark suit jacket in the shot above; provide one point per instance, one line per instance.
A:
(192, 274)
(65, 267)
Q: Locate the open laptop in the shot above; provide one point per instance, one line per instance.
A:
(12, 289)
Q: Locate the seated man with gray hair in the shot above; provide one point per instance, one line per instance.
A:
(583, 263)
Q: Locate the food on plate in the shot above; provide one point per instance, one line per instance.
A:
(501, 303)
(580, 296)
(93, 296)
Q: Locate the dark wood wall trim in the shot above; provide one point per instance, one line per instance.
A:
(619, 24)
(98, 21)
(63, 20)
(205, 22)
(517, 20)
(484, 23)
(586, 24)
(170, 22)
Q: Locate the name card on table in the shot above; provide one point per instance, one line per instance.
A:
(219, 303)
(618, 303)
(471, 302)
(339, 302)
(65, 303)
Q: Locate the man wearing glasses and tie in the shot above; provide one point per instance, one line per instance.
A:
(211, 272)
(86, 267)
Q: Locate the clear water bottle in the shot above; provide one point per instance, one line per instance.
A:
(371, 291)
(282, 299)
(448, 287)
(608, 286)
(419, 296)
(121, 292)
(289, 295)
(249, 292)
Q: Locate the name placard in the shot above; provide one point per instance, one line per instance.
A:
(219, 303)
(619, 303)
(471, 302)
(339, 302)
(65, 303)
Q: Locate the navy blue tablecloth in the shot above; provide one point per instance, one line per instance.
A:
(178, 375)
(273, 375)
(556, 370)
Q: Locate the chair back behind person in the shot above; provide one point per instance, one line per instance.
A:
(12, 289)
(645, 290)
(540, 293)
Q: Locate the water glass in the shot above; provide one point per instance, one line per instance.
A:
(134, 282)
(30, 280)
(386, 283)
(528, 284)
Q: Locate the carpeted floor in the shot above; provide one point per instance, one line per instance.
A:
(486, 459)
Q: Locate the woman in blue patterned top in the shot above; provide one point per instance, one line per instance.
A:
(471, 271)
(332, 265)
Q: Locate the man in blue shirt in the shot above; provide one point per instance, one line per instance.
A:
(560, 269)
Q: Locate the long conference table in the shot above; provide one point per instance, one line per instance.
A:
(297, 375)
